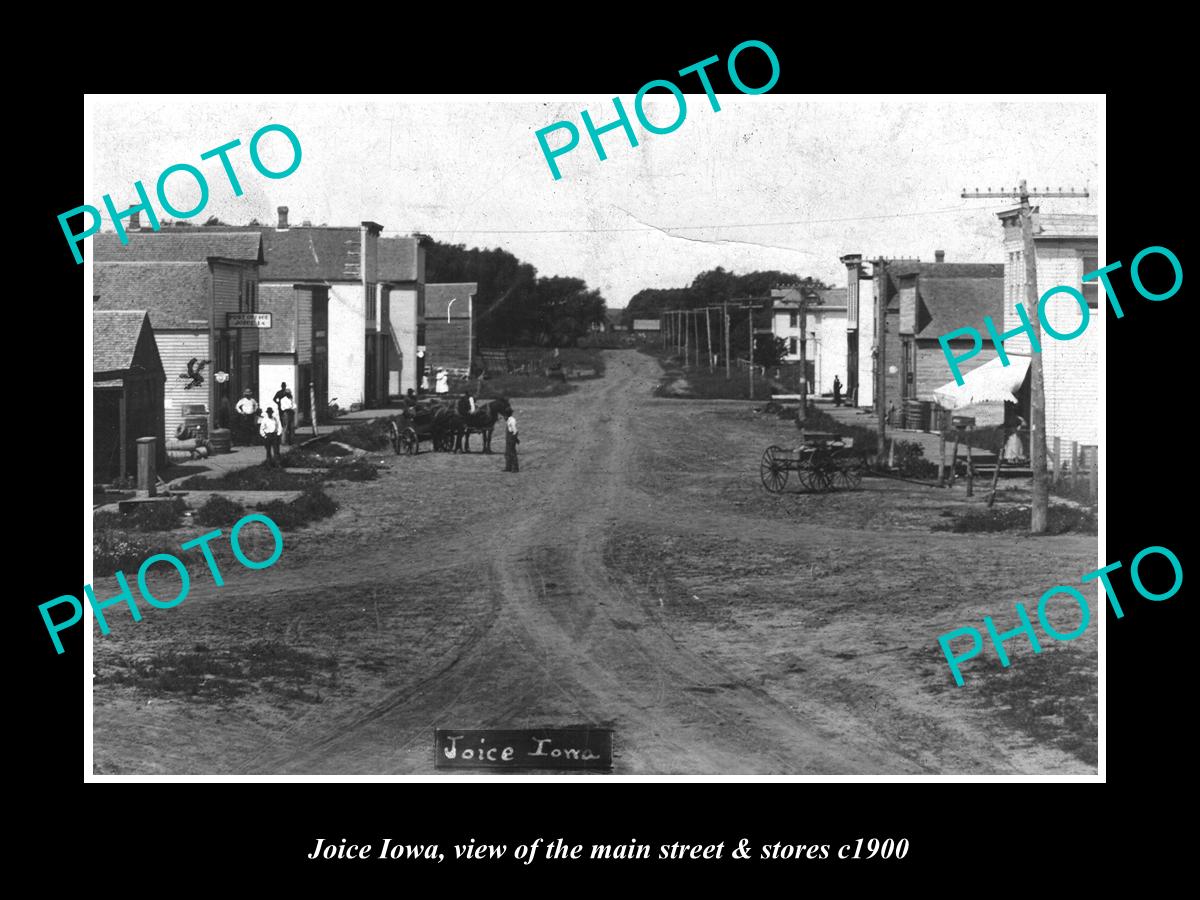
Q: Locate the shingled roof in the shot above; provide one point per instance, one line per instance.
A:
(953, 303)
(438, 297)
(115, 336)
(175, 294)
(312, 254)
(199, 245)
(398, 258)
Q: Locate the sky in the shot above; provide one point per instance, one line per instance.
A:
(767, 182)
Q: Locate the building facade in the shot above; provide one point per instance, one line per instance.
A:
(200, 288)
(1067, 247)
(127, 392)
(823, 331)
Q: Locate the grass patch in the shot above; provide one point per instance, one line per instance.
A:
(353, 470)
(219, 511)
(365, 434)
(115, 551)
(159, 516)
(1051, 697)
(226, 674)
(312, 505)
(1060, 520)
(516, 385)
(254, 478)
(1081, 493)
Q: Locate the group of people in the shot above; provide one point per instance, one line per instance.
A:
(272, 430)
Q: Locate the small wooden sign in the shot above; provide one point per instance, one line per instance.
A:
(247, 320)
(535, 748)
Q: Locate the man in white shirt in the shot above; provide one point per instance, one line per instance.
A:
(247, 409)
(271, 430)
(510, 444)
(287, 411)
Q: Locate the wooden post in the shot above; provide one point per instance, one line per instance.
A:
(803, 417)
(1075, 462)
(750, 328)
(996, 474)
(954, 458)
(725, 313)
(970, 463)
(1054, 462)
(312, 406)
(1094, 473)
(1037, 381)
(124, 437)
(892, 454)
(708, 339)
(942, 459)
(147, 478)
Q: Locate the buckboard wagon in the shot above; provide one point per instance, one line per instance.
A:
(823, 461)
(422, 424)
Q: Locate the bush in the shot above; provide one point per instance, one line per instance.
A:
(158, 516)
(220, 511)
(310, 506)
(1060, 520)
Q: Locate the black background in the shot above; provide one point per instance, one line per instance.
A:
(964, 836)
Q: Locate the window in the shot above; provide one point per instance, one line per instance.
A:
(793, 344)
(1090, 288)
(793, 321)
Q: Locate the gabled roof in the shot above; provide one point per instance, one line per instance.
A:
(115, 336)
(398, 258)
(833, 298)
(1065, 225)
(928, 270)
(175, 294)
(953, 303)
(438, 297)
(184, 245)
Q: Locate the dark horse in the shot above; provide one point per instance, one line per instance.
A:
(482, 421)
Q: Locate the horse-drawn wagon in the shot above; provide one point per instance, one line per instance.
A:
(431, 424)
(823, 461)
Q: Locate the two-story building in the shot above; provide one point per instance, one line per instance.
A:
(1067, 247)
(822, 328)
(200, 289)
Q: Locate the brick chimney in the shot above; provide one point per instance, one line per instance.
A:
(939, 255)
(135, 221)
(283, 222)
(853, 262)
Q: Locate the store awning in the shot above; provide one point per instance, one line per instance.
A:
(990, 383)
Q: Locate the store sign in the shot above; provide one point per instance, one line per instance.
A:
(247, 320)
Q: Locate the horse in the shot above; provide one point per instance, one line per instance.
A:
(483, 420)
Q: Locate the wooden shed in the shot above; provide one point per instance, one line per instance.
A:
(127, 392)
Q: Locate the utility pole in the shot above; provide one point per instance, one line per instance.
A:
(803, 316)
(1037, 383)
(881, 302)
(750, 329)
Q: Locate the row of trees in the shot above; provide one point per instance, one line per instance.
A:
(712, 289)
(513, 304)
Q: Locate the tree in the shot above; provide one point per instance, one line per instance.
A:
(769, 350)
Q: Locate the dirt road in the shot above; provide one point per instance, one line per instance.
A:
(450, 594)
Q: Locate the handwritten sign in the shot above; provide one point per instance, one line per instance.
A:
(537, 748)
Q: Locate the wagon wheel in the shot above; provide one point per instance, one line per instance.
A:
(820, 472)
(848, 475)
(774, 469)
(804, 470)
(408, 442)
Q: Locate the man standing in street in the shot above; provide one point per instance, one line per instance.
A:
(287, 411)
(510, 444)
(247, 409)
(271, 430)
(837, 391)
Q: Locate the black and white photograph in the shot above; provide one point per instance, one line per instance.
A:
(519, 437)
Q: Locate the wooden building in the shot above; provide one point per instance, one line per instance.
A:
(127, 392)
(450, 326)
(823, 331)
(200, 289)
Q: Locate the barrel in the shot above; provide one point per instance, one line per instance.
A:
(916, 414)
(221, 440)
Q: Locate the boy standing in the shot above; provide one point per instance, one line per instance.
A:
(510, 444)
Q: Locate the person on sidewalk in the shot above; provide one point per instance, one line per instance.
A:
(271, 430)
(837, 391)
(286, 405)
(247, 410)
(510, 443)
